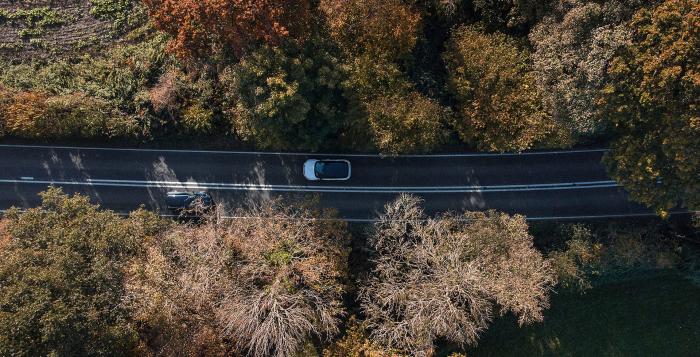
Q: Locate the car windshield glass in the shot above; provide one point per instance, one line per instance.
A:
(331, 169)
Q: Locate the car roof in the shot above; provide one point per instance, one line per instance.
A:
(333, 168)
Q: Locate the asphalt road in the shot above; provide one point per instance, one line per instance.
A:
(543, 185)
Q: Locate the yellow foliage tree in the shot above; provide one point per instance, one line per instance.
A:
(500, 108)
(653, 104)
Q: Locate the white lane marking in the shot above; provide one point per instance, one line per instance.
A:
(323, 189)
(26, 178)
(562, 152)
(367, 188)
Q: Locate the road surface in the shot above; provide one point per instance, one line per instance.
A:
(540, 185)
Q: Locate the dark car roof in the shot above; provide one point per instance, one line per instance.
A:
(332, 169)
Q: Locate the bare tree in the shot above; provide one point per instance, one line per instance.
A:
(261, 285)
(443, 277)
(174, 289)
(290, 273)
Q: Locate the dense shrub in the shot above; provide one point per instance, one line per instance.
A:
(115, 87)
(38, 115)
(5, 100)
(197, 119)
(594, 254)
(574, 263)
(356, 343)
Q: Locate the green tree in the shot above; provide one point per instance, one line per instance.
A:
(653, 104)
(500, 108)
(284, 98)
(61, 273)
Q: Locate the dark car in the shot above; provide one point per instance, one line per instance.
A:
(315, 170)
(189, 202)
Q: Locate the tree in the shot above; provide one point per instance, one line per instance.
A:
(173, 289)
(283, 98)
(385, 29)
(572, 50)
(263, 284)
(407, 123)
(499, 105)
(442, 277)
(376, 36)
(653, 104)
(61, 272)
(201, 29)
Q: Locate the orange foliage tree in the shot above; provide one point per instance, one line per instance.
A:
(203, 27)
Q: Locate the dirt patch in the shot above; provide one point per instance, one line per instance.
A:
(50, 28)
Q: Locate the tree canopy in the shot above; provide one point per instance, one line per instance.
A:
(386, 29)
(286, 99)
(653, 104)
(200, 29)
(62, 266)
(573, 47)
(491, 79)
(262, 285)
(442, 278)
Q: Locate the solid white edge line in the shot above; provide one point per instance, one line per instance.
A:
(319, 189)
(561, 152)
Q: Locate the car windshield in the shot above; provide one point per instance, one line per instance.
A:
(331, 169)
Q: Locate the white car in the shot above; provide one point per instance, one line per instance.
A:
(316, 170)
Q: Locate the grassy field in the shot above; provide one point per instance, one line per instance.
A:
(658, 315)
